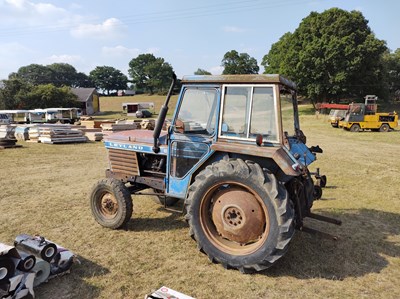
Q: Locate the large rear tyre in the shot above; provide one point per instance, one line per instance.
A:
(240, 215)
(111, 203)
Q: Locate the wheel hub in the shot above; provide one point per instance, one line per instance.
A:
(109, 205)
(238, 216)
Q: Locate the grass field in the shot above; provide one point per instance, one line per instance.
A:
(45, 188)
(115, 103)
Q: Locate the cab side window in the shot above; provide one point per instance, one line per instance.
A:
(249, 111)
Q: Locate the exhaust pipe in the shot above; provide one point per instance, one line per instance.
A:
(162, 115)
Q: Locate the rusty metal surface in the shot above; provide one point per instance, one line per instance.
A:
(238, 216)
(229, 203)
(124, 162)
(278, 154)
(108, 205)
(240, 79)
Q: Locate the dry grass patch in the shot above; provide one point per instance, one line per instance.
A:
(45, 189)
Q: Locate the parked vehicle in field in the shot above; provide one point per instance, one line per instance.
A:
(4, 119)
(364, 116)
(143, 113)
(48, 115)
(335, 116)
(235, 154)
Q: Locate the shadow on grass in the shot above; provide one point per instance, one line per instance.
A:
(364, 241)
(73, 284)
(174, 220)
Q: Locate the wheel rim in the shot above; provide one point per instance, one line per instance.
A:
(234, 218)
(108, 205)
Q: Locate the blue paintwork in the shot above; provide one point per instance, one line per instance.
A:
(177, 187)
(133, 147)
(300, 151)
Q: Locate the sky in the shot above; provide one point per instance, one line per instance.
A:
(187, 34)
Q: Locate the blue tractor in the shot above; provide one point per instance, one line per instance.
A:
(234, 153)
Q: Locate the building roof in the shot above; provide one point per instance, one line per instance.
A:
(83, 94)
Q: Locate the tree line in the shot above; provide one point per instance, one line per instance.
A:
(331, 55)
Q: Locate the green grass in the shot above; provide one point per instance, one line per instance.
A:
(114, 104)
(45, 190)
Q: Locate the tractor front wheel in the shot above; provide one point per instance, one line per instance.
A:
(240, 215)
(111, 203)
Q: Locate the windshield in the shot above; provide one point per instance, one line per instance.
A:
(197, 111)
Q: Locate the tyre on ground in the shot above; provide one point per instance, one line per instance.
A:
(111, 203)
(240, 215)
(355, 128)
(384, 128)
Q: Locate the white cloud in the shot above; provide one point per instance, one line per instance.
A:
(71, 59)
(12, 57)
(110, 28)
(24, 12)
(233, 29)
(119, 51)
(12, 49)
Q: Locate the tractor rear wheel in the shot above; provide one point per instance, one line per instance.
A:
(240, 215)
(384, 128)
(355, 128)
(111, 203)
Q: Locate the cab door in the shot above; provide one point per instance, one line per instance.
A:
(191, 134)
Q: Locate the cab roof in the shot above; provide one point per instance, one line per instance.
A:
(239, 79)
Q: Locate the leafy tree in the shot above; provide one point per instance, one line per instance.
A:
(58, 74)
(83, 80)
(235, 63)
(48, 96)
(13, 93)
(63, 74)
(201, 72)
(35, 74)
(108, 78)
(392, 73)
(18, 94)
(150, 73)
(330, 55)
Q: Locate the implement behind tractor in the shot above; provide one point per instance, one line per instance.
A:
(235, 154)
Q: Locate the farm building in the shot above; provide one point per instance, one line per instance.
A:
(89, 99)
